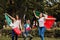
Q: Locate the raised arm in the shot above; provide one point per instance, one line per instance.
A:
(20, 25)
(11, 17)
(35, 14)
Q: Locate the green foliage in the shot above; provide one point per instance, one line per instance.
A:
(26, 7)
(1, 27)
(48, 33)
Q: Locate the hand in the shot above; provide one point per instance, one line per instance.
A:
(6, 13)
(54, 18)
(33, 11)
(23, 30)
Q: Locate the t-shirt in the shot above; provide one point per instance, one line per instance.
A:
(41, 22)
(27, 26)
(15, 24)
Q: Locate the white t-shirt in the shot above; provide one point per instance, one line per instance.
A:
(15, 24)
(41, 22)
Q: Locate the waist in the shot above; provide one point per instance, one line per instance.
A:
(41, 26)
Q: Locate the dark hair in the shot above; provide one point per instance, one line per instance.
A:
(42, 14)
(17, 15)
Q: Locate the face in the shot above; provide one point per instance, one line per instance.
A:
(17, 17)
(41, 14)
(28, 21)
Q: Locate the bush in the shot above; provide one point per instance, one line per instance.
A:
(50, 33)
(1, 26)
(57, 32)
(53, 33)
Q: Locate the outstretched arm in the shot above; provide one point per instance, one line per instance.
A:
(35, 14)
(11, 17)
(50, 18)
(46, 17)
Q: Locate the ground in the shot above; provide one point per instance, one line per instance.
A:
(34, 38)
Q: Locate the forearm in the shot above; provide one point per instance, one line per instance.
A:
(20, 26)
(51, 18)
(36, 15)
(11, 17)
(46, 17)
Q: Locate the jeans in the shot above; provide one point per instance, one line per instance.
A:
(41, 31)
(14, 35)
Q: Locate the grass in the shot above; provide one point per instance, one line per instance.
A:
(34, 38)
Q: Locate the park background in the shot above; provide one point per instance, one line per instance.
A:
(25, 7)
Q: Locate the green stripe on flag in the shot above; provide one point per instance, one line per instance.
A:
(8, 20)
(37, 13)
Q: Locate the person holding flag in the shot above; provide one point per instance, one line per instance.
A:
(41, 21)
(16, 23)
(27, 29)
